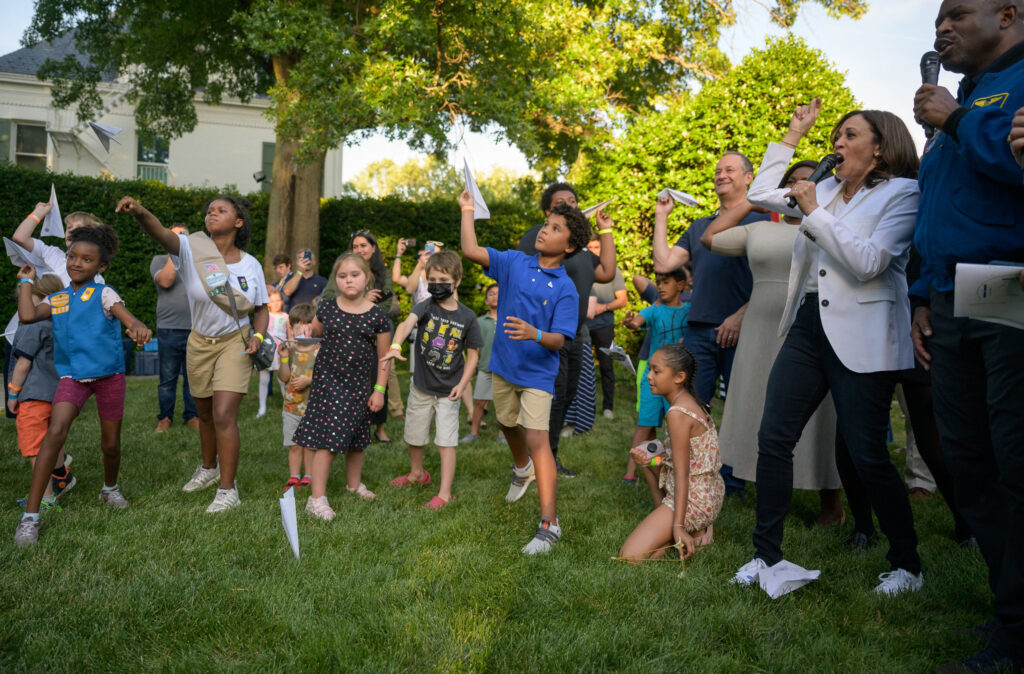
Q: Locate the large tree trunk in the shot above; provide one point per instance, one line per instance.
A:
(293, 222)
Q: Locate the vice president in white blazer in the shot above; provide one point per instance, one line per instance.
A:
(846, 323)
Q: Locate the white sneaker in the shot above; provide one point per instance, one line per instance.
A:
(567, 432)
(547, 535)
(748, 572)
(899, 581)
(362, 492)
(521, 479)
(319, 507)
(608, 414)
(226, 499)
(202, 478)
(113, 498)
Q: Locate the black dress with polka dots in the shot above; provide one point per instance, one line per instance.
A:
(337, 416)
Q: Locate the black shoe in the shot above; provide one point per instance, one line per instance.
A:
(563, 471)
(988, 660)
(858, 540)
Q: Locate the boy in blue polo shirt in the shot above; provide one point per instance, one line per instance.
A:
(537, 308)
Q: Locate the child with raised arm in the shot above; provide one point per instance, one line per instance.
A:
(447, 348)
(295, 372)
(694, 489)
(537, 308)
(89, 360)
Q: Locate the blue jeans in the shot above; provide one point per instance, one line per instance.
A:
(712, 361)
(171, 349)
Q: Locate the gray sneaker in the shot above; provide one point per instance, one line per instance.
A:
(468, 438)
(202, 478)
(26, 533)
(521, 479)
(113, 498)
(547, 535)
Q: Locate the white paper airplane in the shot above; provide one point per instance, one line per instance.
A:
(52, 224)
(595, 208)
(681, 197)
(620, 356)
(105, 134)
(21, 256)
(289, 520)
(480, 210)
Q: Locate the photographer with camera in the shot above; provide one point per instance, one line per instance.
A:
(307, 285)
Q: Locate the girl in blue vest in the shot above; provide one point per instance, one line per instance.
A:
(88, 358)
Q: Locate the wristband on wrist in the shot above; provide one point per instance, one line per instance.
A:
(467, 208)
(396, 346)
(379, 388)
(606, 230)
(538, 334)
(13, 395)
(35, 217)
(26, 280)
(12, 387)
(258, 336)
(284, 360)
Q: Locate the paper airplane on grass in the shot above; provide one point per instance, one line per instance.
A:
(480, 210)
(52, 224)
(21, 256)
(105, 134)
(784, 577)
(290, 520)
(681, 197)
(595, 208)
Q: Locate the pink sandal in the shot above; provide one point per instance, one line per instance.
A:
(405, 480)
(437, 502)
(362, 492)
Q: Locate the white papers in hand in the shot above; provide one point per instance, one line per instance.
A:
(106, 134)
(480, 210)
(989, 292)
(620, 356)
(20, 257)
(681, 197)
(289, 520)
(784, 577)
(590, 210)
(52, 224)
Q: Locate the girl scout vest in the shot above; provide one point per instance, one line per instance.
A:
(86, 344)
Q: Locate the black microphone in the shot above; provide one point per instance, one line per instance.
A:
(929, 75)
(825, 166)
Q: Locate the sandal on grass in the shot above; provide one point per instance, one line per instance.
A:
(362, 492)
(406, 480)
(437, 502)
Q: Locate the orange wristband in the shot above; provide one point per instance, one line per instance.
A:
(33, 216)
(467, 208)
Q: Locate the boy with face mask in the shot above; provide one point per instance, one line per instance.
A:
(448, 342)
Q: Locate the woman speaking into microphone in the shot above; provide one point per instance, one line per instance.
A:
(846, 323)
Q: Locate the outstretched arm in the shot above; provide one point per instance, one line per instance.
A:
(23, 234)
(605, 271)
(401, 333)
(28, 311)
(470, 249)
(665, 258)
(150, 225)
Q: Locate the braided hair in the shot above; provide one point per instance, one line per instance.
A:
(678, 358)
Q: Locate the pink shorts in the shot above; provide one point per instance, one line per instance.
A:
(109, 393)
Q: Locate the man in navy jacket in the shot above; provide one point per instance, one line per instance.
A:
(972, 210)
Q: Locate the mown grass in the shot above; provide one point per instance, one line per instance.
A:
(389, 586)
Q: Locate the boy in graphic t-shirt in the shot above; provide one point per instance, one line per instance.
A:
(448, 342)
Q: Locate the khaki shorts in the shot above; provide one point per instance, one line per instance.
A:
(217, 364)
(520, 406)
(482, 389)
(423, 408)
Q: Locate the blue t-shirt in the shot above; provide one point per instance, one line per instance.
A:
(665, 324)
(650, 295)
(721, 285)
(544, 298)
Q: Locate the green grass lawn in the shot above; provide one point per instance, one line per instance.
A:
(389, 586)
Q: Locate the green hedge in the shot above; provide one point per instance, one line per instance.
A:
(389, 219)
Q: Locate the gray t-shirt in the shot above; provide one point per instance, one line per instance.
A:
(442, 338)
(172, 312)
(35, 342)
(605, 294)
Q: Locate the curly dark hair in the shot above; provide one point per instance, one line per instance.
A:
(579, 226)
(102, 235)
(241, 206)
(549, 193)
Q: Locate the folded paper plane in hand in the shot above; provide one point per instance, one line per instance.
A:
(20, 257)
(290, 520)
(784, 577)
(989, 292)
(619, 355)
(105, 134)
(52, 224)
(589, 211)
(480, 210)
(681, 197)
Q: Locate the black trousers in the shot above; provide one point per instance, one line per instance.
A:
(603, 337)
(805, 370)
(978, 390)
(570, 362)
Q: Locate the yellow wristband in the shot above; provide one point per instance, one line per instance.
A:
(606, 230)
(35, 217)
(396, 346)
(258, 336)
(284, 360)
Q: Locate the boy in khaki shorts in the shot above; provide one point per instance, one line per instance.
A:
(537, 311)
(447, 348)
